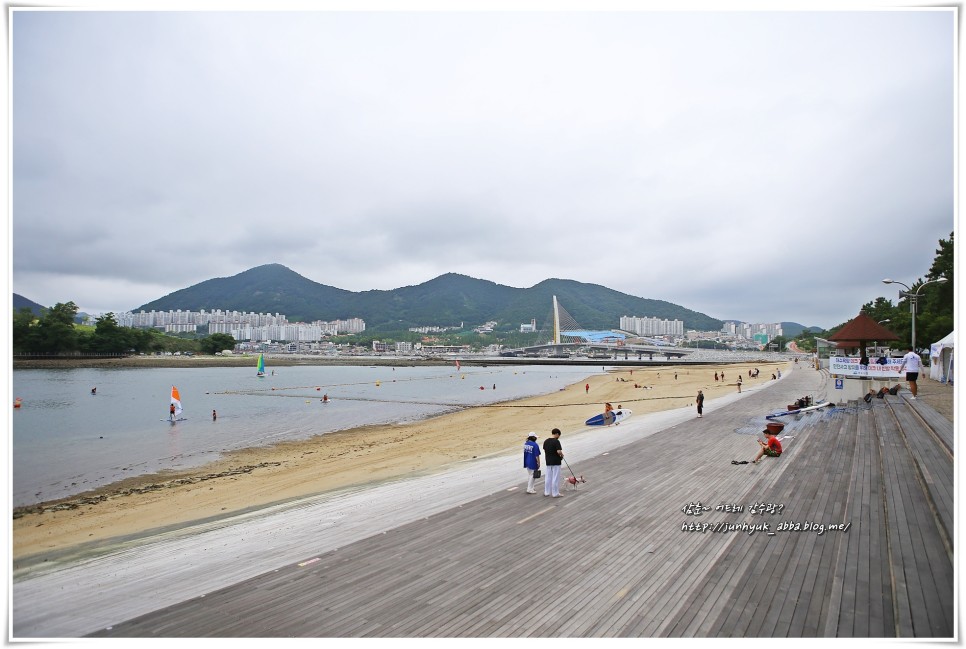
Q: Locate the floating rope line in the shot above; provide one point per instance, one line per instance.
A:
(449, 404)
(319, 386)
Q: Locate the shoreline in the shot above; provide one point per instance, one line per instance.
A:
(258, 477)
(694, 358)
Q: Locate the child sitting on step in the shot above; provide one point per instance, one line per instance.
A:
(773, 448)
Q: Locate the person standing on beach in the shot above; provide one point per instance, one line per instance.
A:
(739, 384)
(911, 364)
(214, 415)
(700, 402)
(587, 388)
(554, 452)
(531, 459)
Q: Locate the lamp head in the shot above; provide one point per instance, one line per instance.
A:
(887, 281)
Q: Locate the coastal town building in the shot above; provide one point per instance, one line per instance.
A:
(644, 326)
(761, 332)
(240, 325)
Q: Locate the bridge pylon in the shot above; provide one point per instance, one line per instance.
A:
(556, 321)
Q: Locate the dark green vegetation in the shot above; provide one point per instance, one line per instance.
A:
(55, 333)
(934, 315)
(448, 300)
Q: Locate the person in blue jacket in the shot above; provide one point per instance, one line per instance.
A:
(531, 459)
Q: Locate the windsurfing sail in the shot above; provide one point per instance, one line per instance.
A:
(261, 365)
(176, 401)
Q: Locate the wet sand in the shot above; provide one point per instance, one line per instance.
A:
(258, 477)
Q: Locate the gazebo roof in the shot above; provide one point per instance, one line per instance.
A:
(859, 329)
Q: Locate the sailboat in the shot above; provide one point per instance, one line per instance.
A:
(261, 365)
(175, 410)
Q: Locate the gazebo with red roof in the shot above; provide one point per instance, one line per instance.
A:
(859, 331)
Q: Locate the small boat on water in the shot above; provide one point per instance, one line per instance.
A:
(261, 365)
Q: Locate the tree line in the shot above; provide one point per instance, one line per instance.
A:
(934, 311)
(55, 332)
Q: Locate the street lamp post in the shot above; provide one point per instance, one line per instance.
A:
(881, 322)
(913, 300)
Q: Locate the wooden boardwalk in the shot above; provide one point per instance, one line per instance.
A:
(848, 534)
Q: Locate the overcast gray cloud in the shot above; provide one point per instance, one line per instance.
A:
(760, 166)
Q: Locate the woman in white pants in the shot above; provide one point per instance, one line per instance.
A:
(554, 456)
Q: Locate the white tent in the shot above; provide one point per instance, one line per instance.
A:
(941, 359)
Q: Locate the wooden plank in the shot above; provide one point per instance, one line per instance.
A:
(937, 424)
(610, 560)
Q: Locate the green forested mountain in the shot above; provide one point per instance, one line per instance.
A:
(450, 299)
(794, 329)
(20, 302)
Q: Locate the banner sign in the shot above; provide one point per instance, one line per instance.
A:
(842, 366)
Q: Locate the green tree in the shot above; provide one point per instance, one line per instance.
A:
(216, 343)
(56, 332)
(109, 337)
(935, 319)
(25, 333)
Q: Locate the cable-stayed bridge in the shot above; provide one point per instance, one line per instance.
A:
(568, 335)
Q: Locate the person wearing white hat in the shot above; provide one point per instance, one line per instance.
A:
(531, 460)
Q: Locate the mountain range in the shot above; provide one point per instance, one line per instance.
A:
(448, 300)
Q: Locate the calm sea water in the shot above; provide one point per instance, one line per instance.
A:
(66, 441)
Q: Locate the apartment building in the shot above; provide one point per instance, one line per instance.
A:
(257, 327)
(644, 326)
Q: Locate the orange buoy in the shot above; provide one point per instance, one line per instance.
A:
(17, 402)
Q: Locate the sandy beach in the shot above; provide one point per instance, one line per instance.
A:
(258, 477)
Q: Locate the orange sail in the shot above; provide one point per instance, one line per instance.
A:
(176, 401)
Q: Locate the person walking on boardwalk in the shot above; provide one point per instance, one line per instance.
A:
(554, 452)
(911, 364)
(531, 459)
(699, 400)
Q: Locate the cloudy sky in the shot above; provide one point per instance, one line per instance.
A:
(749, 165)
